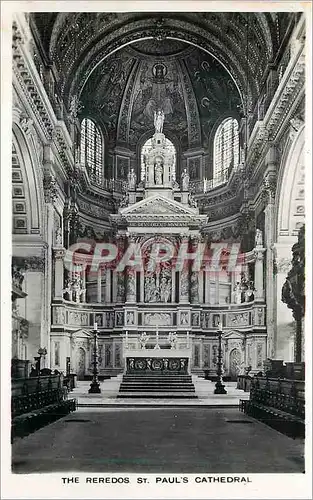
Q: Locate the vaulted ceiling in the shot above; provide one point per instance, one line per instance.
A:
(201, 65)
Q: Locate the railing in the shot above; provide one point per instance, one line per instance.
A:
(110, 185)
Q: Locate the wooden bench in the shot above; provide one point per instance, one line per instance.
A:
(46, 402)
(277, 404)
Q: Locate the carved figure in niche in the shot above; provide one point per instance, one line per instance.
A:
(150, 289)
(184, 319)
(58, 236)
(131, 285)
(158, 121)
(132, 179)
(258, 238)
(119, 319)
(184, 289)
(195, 320)
(98, 319)
(130, 318)
(165, 289)
(185, 180)
(158, 170)
(60, 316)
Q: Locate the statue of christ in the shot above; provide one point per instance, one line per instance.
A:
(158, 121)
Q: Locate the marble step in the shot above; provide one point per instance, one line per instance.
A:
(156, 395)
(156, 389)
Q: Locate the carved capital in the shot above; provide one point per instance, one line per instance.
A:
(269, 185)
(50, 187)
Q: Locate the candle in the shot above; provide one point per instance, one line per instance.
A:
(95, 326)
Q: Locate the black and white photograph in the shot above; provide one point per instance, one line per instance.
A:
(154, 278)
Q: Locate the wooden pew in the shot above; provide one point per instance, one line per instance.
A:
(279, 403)
(36, 402)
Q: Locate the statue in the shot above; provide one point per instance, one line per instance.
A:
(238, 291)
(158, 171)
(124, 201)
(58, 236)
(165, 289)
(158, 121)
(150, 289)
(131, 285)
(192, 201)
(132, 179)
(185, 180)
(258, 238)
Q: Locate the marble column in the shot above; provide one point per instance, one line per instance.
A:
(258, 273)
(269, 192)
(217, 287)
(58, 253)
(99, 284)
(108, 298)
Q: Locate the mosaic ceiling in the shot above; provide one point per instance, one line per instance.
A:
(200, 66)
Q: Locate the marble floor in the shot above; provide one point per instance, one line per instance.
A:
(155, 440)
(204, 390)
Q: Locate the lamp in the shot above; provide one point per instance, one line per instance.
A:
(95, 385)
(219, 386)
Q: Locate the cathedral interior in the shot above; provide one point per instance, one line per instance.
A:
(158, 173)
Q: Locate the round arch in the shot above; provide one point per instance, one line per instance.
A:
(32, 185)
(290, 198)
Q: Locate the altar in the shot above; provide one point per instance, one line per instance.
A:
(167, 355)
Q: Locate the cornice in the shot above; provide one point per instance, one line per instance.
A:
(30, 89)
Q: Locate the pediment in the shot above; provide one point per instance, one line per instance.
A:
(159, 205)
(81, 334)
(234, 335)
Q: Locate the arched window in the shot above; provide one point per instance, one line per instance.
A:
(226, 150)
(91, 148)
(146, 148)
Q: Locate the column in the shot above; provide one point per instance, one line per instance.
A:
(108, 298)
(201, 284)
(269, 192)
(83, 278)
(173, 285)
(99, 284)
(217, 287)
(258, 273)
(58, 254)
(207, 287)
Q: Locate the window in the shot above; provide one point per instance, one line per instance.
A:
(91, 148)
(147, 147)
(226, 150)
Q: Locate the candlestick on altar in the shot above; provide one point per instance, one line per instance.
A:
(157, 339)
(188, 340)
